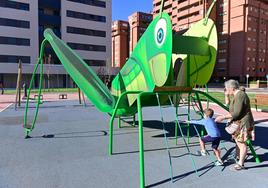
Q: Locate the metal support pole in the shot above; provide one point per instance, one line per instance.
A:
(134, 120)
(188, 118)
(111, 136)
(257, 159)
(176, 125)
(202, 112)
(119, 122)
(141, 150)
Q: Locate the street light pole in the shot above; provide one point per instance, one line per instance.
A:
(247, 79)
(267, 80)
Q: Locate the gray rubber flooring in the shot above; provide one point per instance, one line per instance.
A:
(74, 152)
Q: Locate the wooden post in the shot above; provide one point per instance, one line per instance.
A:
(18, 87)
(79, 95)
(83, 96)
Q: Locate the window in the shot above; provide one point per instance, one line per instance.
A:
(87, 47)
(14, 41)
(14, 23)
(223, 13)
(84, 16)
(14, 5)
(14, 59)
(223, 4)
(221, 69)
(82, 31)
(96, 3)
(95, 62)
(125, 24)
(222, 51)
(222, 60)
(223, 32)
(222, 41)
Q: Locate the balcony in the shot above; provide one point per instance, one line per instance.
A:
(183, 4)
(196, 9)
(194, 1)
(54, 4)
(183, 13)
(45, 19)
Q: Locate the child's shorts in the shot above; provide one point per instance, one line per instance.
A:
(215, 141)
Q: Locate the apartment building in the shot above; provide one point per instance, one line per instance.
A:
(243, 41)
(83, 24)
(125, 36)
(138, 23)
(183, 13)
(242, 29)
(120, 43)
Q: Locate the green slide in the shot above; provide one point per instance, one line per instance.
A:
(82, 74)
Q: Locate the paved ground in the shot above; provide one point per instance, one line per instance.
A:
(7, 100)
(76, 154)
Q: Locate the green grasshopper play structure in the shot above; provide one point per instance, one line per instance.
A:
(147, 79)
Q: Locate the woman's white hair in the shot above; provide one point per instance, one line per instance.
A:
(231, 84)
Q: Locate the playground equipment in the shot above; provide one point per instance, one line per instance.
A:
(147, 77)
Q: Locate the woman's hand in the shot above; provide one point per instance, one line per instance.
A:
(220, 118)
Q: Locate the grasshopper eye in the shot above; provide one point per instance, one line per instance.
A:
(160, 32)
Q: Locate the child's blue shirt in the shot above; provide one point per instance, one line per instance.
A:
(210, 126)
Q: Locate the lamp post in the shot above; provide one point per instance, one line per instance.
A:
(247, 79)
(267, 79)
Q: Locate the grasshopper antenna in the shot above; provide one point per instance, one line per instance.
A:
(161, 8)
(209, 11)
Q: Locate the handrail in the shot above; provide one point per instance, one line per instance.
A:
(39, 62)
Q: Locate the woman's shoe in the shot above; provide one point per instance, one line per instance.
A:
(237, 167)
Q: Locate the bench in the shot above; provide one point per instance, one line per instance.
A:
(36, 97)
(259, 100)
(63, 96)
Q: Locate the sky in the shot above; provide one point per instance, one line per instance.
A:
(121, 9)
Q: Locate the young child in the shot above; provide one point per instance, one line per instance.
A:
(213, 135)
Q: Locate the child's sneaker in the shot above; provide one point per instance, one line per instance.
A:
(219, 163)
(203, 152)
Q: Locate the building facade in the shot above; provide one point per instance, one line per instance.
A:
(243, 41)
(183, 13)
(242, 29)
(125, 36)
(138, 23)
(83, 24)
(120, 43)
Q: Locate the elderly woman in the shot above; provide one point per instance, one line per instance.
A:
(240, 113)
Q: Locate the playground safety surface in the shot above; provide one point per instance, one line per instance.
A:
(69, 148)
